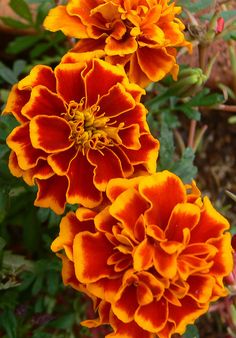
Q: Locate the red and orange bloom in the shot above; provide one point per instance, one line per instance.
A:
(141, 35)
(80, 126)
(155, 256)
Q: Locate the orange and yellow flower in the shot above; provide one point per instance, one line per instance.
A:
(80, 126)
(141, 35)
(154, 256)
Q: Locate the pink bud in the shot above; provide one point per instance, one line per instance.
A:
(220, 25)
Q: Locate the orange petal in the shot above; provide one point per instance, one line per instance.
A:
(223, 260)
(143, 256)
(39, 75)
(200, 287)
(50, 133)
(147, 154)
(110, 76)
(136, 74)
(183, 215)
(106, 288)
(163, 191)
(152, 317)
(104, 221)
(91, 252)
(155, 63)
(185, 314)
(120, 47)
(68, 274)
(107, 166)
(116, 186)
(70, 226)
(126, 304)
(71, 75)
(15, 102)
(19, 141)
(165, 264)
(61, 161)
(81, 188)
(129, 330)
(14, 166)
(52, 193)
(43, 102)
(42, 171)
(59, 19)
(129, 136)
(127, 208)
(116, 101)
(144, 294)
(211, 224)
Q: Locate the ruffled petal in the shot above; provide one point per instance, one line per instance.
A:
(52, 193)
(60, 162)
(81, 187)
(120, 47)
(43, 102)
(39, 75)
(59, 19)
(110, 75)
(90, 264)
(152, 317)
(163, 191)
(72, 76)
(19, 141)
(117, 101)
(50, 133)
(15, 102)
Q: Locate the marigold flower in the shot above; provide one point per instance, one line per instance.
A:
(154, 256)
(142, 35)
(80, 126)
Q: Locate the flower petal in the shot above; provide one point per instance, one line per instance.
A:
(39, 75)
(117, 101)
(90, 265)
(107, 166)
(81, 187)
(15, 102)
(163, 191)
(50, 133)
(183, 216)
(19, 141)
(71, 74)
(52, 193)
(143, 256)
(60, 162)
(120, 47)
(211, 224)
(59, 19)
(155, 63)
(152, 317)
(110, 75)
(43, 102)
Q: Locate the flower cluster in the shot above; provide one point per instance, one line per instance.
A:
(141, 35)
(151, 259)
(145, 247)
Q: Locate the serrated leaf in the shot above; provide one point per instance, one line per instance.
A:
(21, 8)
(8, 21)
(205, 98)
(39, 49)
(190, 112)
(22, 43)
(185, 168)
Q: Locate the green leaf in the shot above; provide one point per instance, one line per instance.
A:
(39, 49)
(21, 8)
(18, 67)
(64, 322)
(191, 332)
(166, 147)
(9, 323)
(8, 21)
(191, 113)
(185, 168)
(205, 98)
(22, 43)
(4, 204)
(7, 74)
